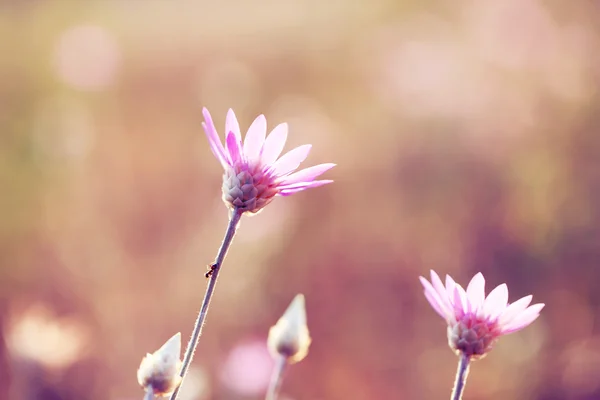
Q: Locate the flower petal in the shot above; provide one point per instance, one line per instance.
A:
(306, 175)
(450, 284)
(437, 284)
(514, 309)
(232, 125)
(274, 144)
(439, 287)
(445, 304)
(234, 148)
(523, 319)
(298, 187)
(496, 302)
(461, 305)
(433, 298)
(476, 292)
(213, 139)
(467, 307)
(255, 138)
(291, 160)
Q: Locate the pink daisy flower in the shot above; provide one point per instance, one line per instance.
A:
(475, 321)
(254, 172)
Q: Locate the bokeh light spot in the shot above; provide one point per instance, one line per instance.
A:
(248, 367)
(87, 57)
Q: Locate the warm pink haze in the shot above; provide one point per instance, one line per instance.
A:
(254, 172)
(475, 321)
(466, 138)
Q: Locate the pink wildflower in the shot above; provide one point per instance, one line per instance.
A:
(475, 321)
(254, 172)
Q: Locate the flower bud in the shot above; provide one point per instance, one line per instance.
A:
(472, 338)
(248, 190)
(159, 372)
(289, 337)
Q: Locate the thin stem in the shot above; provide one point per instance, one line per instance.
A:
(276, 378)
(149, 395)
(234, 220)
(461, 377)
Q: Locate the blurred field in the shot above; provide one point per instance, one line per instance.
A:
(466, 136)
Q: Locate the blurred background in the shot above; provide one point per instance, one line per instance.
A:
(466, 138)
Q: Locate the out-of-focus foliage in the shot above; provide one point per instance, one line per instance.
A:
(466, 137)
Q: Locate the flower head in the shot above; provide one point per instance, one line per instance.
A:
(475, 321)
(159, 372)
(254, 172)
(289, 337)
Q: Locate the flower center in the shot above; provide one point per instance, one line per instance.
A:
(473, 336)
(248, 188)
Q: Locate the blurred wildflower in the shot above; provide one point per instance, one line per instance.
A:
(475, 321)
(38, 334)
(254, 173)
(159, 372)
(289, 337)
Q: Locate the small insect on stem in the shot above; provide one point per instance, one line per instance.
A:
(211, 269)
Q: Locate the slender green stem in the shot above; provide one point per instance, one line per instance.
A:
(461, 377)
(234, 220)
(276, 378)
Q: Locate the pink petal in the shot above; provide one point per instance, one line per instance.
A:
(450, 284)
(433, 298)
(298, 187)
(427, 286)
(213, 139)
(439, 287)
(274, 144)
(291, 160)
(445, 304)
(255, 138)
(514, 309)
(234, 149)
(523, 319)
(476, 292)
(461, 303)
(496, 302)
(306, 175)
(464, 299)
(437, 284)
(232, 125)
(289, 192)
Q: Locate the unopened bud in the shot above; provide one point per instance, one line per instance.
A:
(159, 372)
(289, 337)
